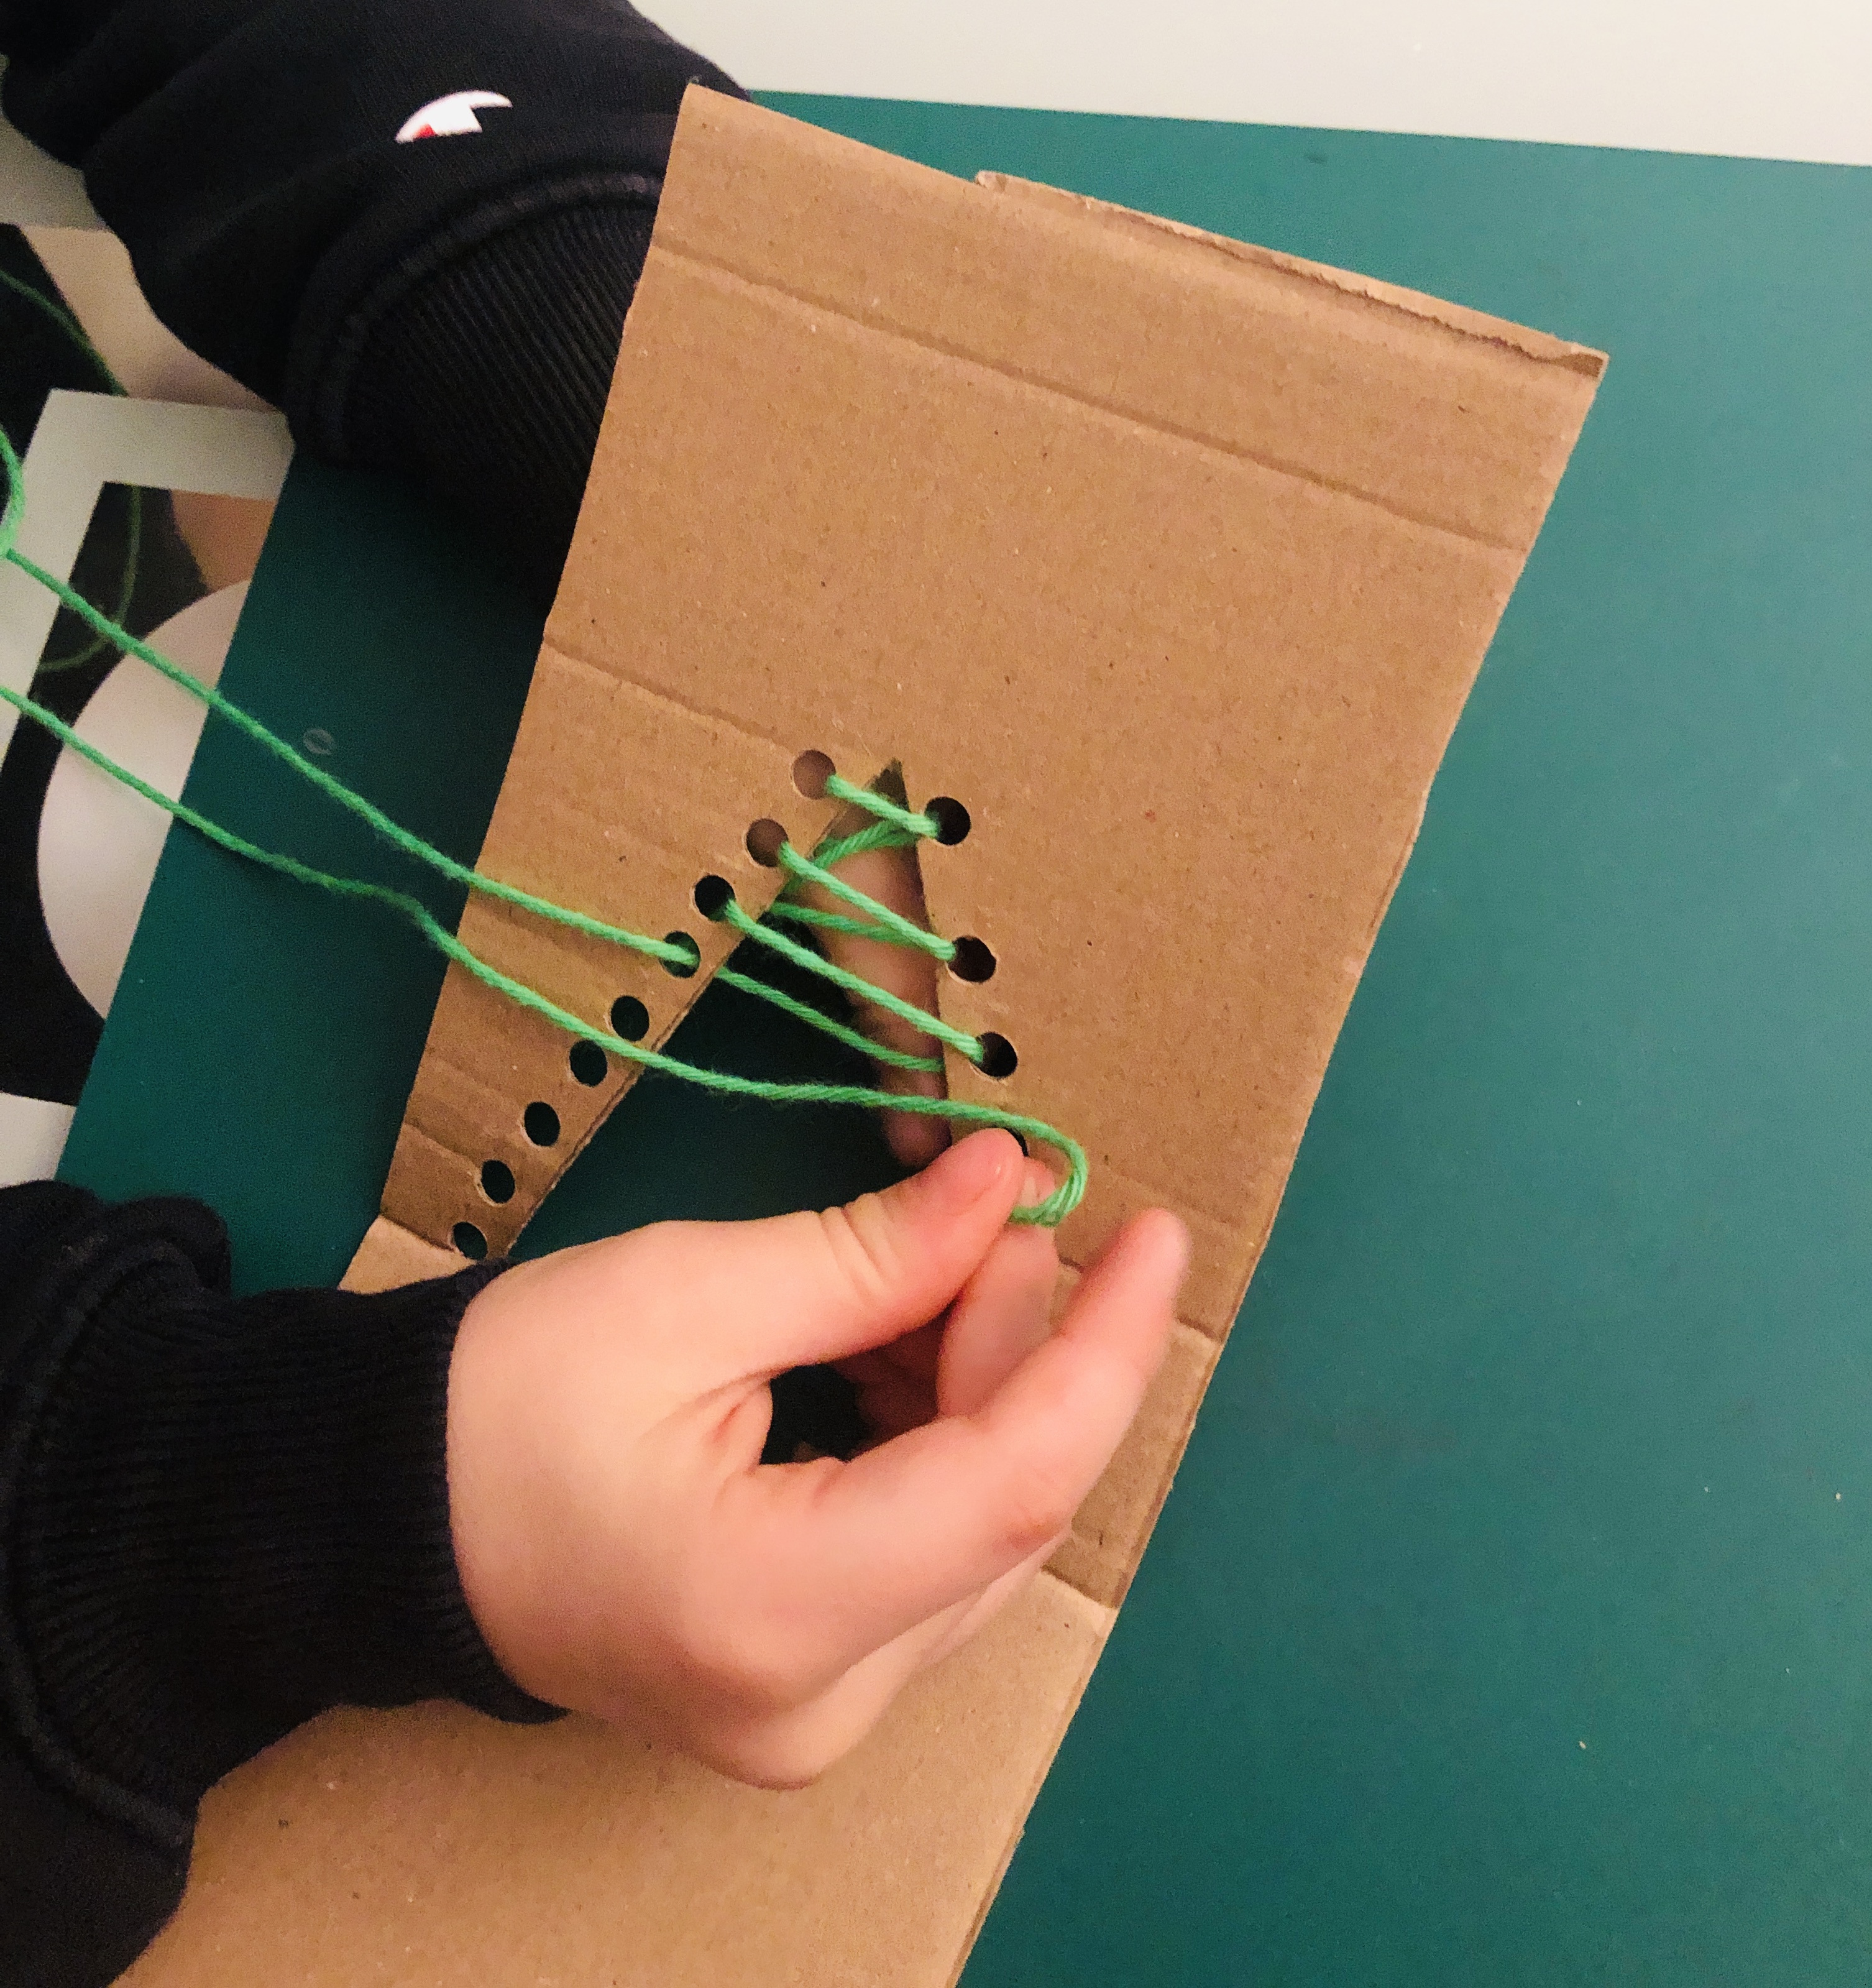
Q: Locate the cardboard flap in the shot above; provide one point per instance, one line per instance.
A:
(1171, 559)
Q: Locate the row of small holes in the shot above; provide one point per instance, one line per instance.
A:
(589, 1066)
(629, 1018)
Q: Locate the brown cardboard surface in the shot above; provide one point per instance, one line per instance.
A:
(1173, 560)
(433, 1848)
(390, 1256)
(1109, 1534)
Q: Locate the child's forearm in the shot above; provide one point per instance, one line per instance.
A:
(218, 1517)
(448, 307)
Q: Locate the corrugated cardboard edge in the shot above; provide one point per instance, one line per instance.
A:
(1458, 318)
(1055, 1740)
(1086, 1560)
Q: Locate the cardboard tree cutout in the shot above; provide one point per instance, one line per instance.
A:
(1173, 561)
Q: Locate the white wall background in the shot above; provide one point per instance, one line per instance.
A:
(1769, 79)
(1762, 79)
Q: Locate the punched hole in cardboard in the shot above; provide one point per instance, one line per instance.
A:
(713, 896)
(998, 1057)
(497, 1180)
(589, 1064)
(541, 1123)
(811, 772)
(951, 820)
(469, 1240)
(629, 1018)
(683, 968)
(972, 961)
(765, 837)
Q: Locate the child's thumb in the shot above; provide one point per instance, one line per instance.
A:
(825, 1287)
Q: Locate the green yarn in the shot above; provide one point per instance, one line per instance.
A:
(66, 323)
(879, 835)
(392, 832)
(895, 826)
(133, 553)
(802, 869)
(810, 915)
(917, 827)
(969, 1047)
(1049, 1213)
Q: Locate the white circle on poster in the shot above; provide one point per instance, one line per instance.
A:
(98, 843)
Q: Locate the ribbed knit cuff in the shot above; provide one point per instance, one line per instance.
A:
(218, 1517)
(482, 369)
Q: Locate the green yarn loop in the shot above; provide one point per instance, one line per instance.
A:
(916, 827)
(902, 931)
(893, 828)
(852, 983)
(785, 909)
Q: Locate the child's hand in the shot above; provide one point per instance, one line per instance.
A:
(625, 1554)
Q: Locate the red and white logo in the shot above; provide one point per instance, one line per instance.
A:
(451, 116)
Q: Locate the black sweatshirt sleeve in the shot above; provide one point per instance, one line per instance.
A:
(219, 1517)
(448, 307)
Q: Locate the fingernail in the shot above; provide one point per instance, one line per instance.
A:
(1037, 1182)
(967, 1173)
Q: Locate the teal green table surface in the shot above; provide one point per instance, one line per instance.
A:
(1512, 1621)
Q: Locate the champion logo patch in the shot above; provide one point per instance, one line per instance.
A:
(451, 116)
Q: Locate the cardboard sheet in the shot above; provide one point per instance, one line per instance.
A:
(433, 1848)
(1173, 560)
